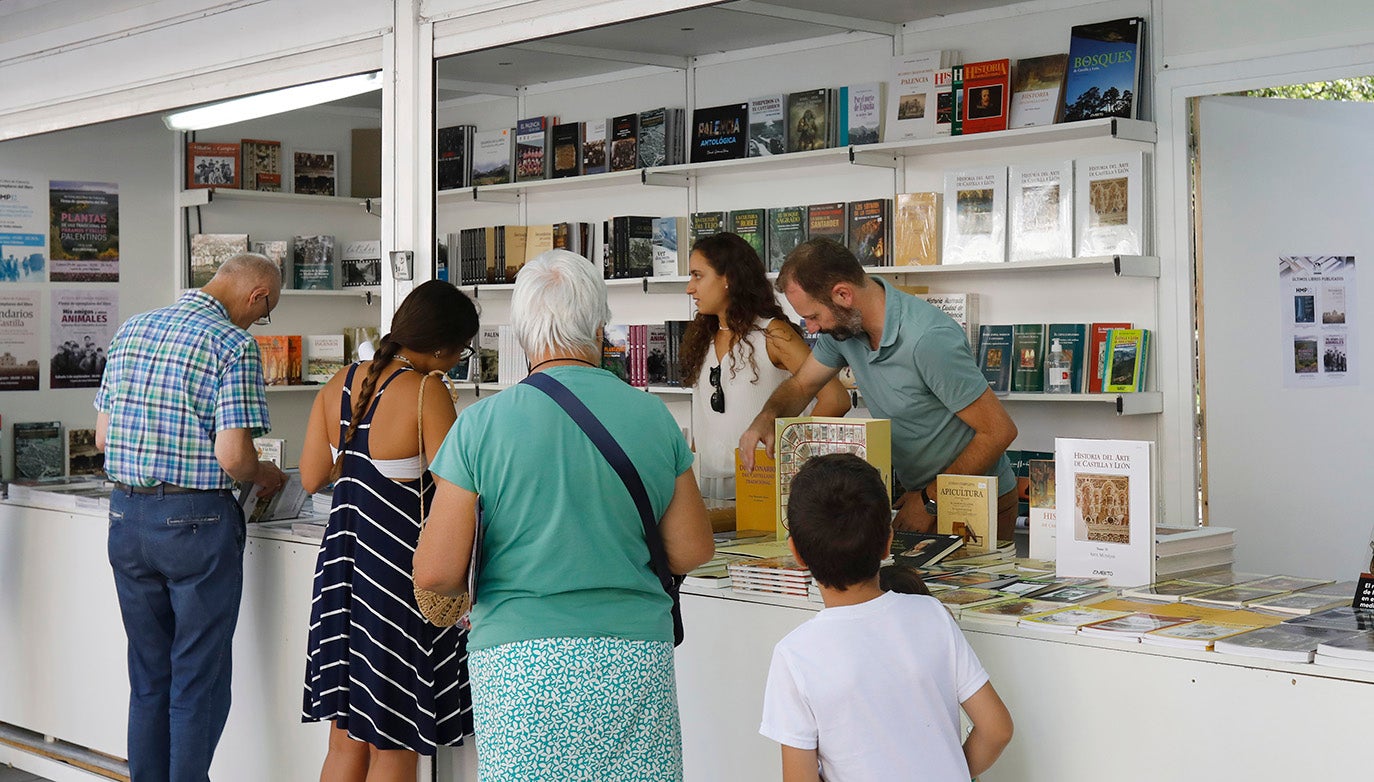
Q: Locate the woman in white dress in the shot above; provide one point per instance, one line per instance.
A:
(735, 353)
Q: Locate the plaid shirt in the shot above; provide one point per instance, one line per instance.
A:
(174, 378)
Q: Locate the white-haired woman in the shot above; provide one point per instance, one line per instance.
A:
(571, 649)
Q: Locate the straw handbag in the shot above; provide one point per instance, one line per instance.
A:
(439, 610)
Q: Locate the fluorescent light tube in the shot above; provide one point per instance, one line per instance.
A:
(275, 102)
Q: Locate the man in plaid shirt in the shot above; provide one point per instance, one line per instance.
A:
(179, 404)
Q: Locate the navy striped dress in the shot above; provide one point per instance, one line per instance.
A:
(374, 666)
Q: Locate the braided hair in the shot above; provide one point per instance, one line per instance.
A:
(435, 316)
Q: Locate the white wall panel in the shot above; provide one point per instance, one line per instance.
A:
(134, 62)
(1197, 32)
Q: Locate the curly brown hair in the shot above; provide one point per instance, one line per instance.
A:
(751, 298)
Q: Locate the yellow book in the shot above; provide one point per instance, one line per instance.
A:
(917, 229)
(756, 497)
(798, 439)
(967, 506)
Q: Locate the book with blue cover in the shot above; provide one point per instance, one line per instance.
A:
(1103, 78)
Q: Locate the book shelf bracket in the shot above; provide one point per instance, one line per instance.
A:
(483, 195)
(664, 178)
(875, 159)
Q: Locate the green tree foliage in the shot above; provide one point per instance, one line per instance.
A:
(1361, 89)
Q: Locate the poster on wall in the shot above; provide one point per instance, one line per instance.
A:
(23, 234)
(83, 220)
(1317, 310)
(83, 324)
(18, 340)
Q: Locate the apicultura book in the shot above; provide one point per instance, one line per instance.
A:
(967, 506)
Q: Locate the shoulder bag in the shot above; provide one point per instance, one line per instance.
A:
(619, 460)
(440, 610)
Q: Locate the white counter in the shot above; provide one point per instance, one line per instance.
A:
(1085, 709)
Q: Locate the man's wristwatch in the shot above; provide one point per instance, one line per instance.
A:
(929, 503)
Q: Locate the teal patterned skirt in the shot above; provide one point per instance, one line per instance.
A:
(566, 709)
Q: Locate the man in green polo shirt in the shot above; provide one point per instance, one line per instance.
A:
(913, 365)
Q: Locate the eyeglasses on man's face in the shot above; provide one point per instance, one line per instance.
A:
(266, 318)
(717, 396)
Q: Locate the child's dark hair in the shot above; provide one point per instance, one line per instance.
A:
(840, 519)
(902, 579)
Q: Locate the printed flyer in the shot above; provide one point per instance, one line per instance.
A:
(18, 340)
(23, 233)
(83, 325)
(1317, 306)
(83, 220)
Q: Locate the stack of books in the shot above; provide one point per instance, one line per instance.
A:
(772, 576)
(1180, 550)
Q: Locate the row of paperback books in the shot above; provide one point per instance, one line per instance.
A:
(256, 164)
(1070, 358)
(312, 359)
(1063, 209)
(643, 355)
(930, 94)
(306, 262)
(866, 227)
(494, 254)
(543, 148)
(925, 95)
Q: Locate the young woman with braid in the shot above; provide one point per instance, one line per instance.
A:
(393, 685)
(738, 349)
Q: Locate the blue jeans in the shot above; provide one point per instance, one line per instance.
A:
(178, 570)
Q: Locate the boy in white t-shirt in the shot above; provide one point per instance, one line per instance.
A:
(870, 689)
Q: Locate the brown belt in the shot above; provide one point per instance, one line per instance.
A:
(161, 488)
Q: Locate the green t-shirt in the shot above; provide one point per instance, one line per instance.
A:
(922, 374)
(564, 554)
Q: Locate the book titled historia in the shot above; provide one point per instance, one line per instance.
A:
(975, 216)
(1103, 510)
(1109, 204)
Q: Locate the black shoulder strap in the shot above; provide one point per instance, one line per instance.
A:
(602, 439)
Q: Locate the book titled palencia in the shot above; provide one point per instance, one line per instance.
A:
(975, 216)
(967, 506)
(720, 132)
(911, 95)
(1104, 494)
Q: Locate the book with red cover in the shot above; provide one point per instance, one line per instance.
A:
(986, 96)
(1097, 348)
